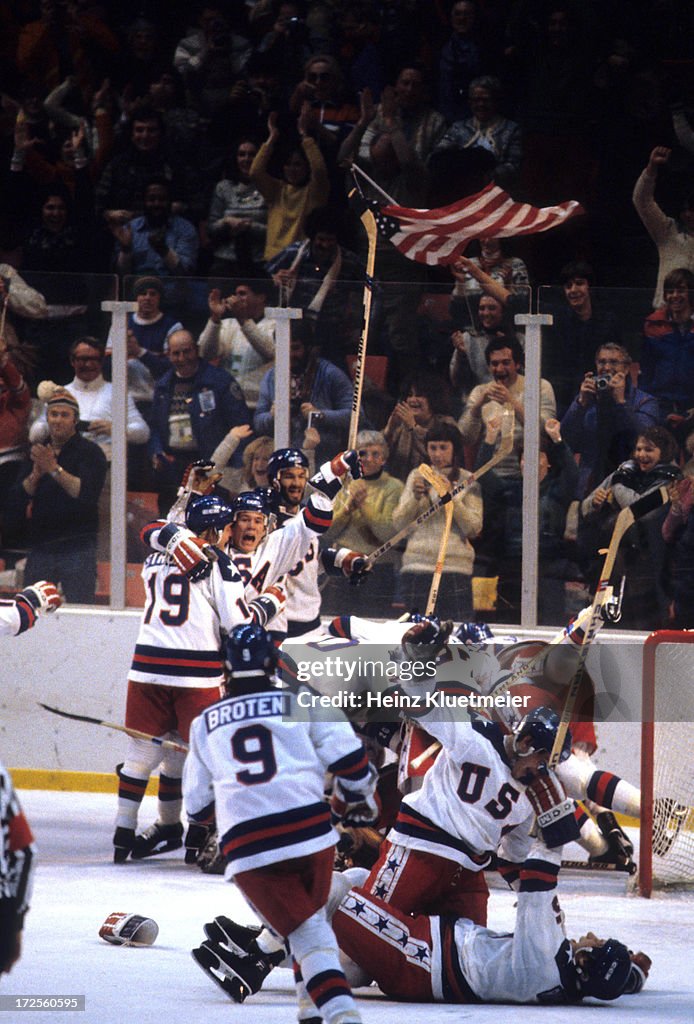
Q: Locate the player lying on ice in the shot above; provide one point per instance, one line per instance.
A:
(478, 662)
(431, 958)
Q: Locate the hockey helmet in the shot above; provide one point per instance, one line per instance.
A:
(249, 501)
(541, 725)
(249, 651)
(603, 972)
(270, 498)
(285, 458)
(474, 634)
(208, 512)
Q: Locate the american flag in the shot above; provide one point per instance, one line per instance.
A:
(441, 236)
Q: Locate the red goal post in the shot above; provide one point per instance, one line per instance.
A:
(666, 853)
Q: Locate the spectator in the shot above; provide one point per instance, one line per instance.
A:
(504, 357)
(509, 271)
(363, 519)
(357, 46)
(286, 44)
(332, 115)
(667, 355)
(237, 223)
(444, 446)
(579, 328)
(210, 58)
(150, 328)
(674, 238)
(641, 555)
(57, 500)
(195, 404)
(606, 416)
(120, 192)
(17, 862)
(487, 129)
(393, 143)
(423, 404)
(61, 242)
(501, 547)
(678, 534)
(302, 187)
(461, 60)
(159, 242)
(239, 337)
(95, 398)
(255, 460)
(494, 316)
(15, 406)
(316, 386)
(310, 274)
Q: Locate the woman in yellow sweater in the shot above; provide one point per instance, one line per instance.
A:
(304, 184)
(444, 446)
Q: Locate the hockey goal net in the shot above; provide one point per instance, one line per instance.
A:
(666, 856)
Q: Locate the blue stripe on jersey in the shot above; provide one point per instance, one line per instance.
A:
(354, 765)
(538, 875)
(319, 520)
(276, 831)
(410, 822)
(147, 530)
(27, 613)
(166, 662)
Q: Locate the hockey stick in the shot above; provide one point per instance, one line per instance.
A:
(592, 865)
(505, 448)
(369, 222)
(135, 733)
(626, 518)
(441, 485)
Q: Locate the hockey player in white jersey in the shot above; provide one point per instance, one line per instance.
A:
(177, 666)
(262, 768)
(19, 613)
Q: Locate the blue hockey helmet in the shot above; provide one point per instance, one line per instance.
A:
(271, 499)
(208, 512)
(285, 458)
(541, 725)
(603, 972)
(249, 652)
(474, 634)
(249, 501)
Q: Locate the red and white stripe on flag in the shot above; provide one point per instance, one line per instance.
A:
(441, 236)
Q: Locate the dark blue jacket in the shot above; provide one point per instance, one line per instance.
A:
(209, 428)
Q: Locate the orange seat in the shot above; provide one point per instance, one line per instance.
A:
(134, 584)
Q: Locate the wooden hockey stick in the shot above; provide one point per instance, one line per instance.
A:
(369, 222)
(593, 865)
(442, 487)
(626, 518)
(135, 733)
(505, 448)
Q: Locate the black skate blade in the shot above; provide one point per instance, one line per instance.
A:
(208, 962)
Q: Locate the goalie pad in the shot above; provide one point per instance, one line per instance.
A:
(554, 810)
(129, 929)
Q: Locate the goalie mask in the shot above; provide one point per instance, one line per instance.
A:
(249, 654)
(541, 726)
(603, 971)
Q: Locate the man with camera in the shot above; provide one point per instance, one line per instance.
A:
(608, 413)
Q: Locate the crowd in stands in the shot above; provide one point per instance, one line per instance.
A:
(199, 165)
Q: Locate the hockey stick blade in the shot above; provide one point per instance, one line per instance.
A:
(135, 733)
(594, 865)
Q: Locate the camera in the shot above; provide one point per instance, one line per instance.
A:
(602, 381)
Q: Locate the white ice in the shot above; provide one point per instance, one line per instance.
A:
(77, 887)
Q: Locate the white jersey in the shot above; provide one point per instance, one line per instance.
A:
(469, 799)
(265, 775)
(14, 618)
(180, 637)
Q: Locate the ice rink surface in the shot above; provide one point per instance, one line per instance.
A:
(78, 886)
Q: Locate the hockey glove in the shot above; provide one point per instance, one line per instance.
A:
(267, 605)
(554, 810)
(347, 462)
(191, 554)
(198, 478)
(429, 631)
(42, 596)
(354, 565)
(355, 804)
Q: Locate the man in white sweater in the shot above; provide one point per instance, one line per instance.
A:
(95, 398)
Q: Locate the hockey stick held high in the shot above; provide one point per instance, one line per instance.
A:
(135, 733)
(626, 518)
(505, 448)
